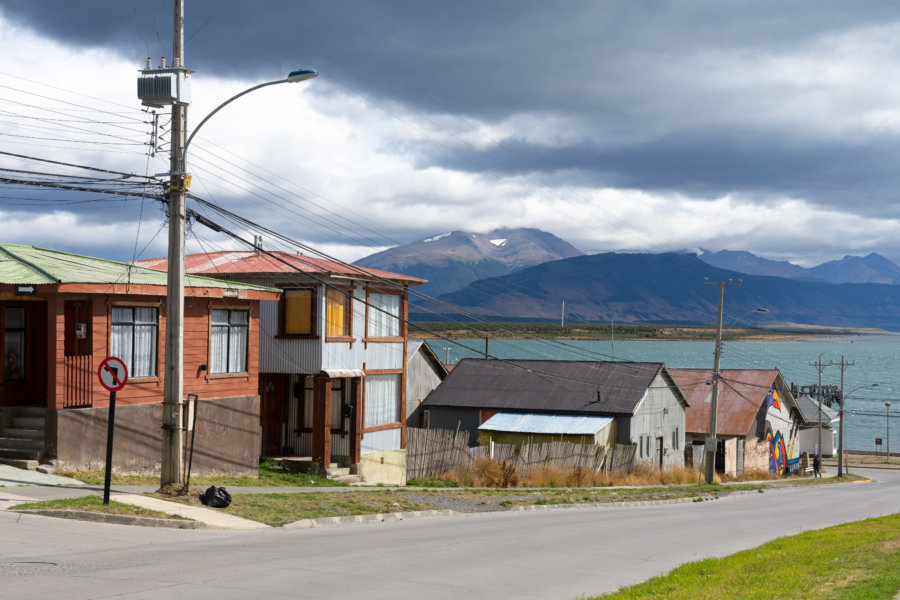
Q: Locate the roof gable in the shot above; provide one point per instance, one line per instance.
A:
(584, 387)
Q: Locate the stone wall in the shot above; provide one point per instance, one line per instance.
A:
(756, 455)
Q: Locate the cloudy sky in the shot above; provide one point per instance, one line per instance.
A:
(632, 125)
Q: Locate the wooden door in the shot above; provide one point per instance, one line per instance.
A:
(273, 412)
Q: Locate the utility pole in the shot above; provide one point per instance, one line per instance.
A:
(818, 364)
(844, 365)
(711, 443)
(172, 444)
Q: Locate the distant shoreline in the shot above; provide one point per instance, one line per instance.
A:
(602, 332)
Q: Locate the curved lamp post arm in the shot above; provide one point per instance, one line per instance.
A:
(299, 75)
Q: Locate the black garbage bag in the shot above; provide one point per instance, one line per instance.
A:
(216, 497)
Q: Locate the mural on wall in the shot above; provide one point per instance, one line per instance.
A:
(782, 434)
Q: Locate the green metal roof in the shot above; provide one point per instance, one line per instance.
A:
(36, 266)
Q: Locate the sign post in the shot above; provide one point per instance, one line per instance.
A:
(113, 375)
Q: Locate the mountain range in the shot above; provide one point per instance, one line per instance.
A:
(669, 288)
(528, 273)
(872, 268)
(452, 260)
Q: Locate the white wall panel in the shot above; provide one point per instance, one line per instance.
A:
(388, 439)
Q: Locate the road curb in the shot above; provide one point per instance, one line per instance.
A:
(372, 518)
(84, 515)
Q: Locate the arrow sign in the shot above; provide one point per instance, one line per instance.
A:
(26, 290)
(113, 373)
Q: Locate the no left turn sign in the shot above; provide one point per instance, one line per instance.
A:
(112, 373)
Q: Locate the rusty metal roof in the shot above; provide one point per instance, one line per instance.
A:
(741, 395)
(273, 263)
(549, 386)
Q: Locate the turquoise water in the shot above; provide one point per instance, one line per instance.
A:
(876, 360)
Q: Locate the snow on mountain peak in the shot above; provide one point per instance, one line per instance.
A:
(438, 237)
(499, 242)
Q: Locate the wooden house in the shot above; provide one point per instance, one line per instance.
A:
(61, 314)
(647, 406)
(332, 355)
(424, 372)
(757, 424)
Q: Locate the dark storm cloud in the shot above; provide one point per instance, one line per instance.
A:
(603, 66)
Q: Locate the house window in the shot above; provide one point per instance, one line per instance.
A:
(675, 439)
(13, 343)
(298, 312)
(133, 335)
(229, 338)
(337, 313)
(384, 316)
(382, 399)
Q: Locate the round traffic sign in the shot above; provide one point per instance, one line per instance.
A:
(112, 373)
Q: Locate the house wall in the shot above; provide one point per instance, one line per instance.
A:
(659, 414)
(421, 379)
(776, 425)
(448, 417)
(756, 455)
(226, 439)
(196, 351)
(809, 439)
(310, 356)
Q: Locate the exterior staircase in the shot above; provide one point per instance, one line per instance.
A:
(22, 436)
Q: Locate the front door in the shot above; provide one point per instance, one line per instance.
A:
(659, 451)
(273, 397)
(23, 363)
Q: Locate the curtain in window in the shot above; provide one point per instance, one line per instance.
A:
(298, 312)
(228, 341)
(238, 338)
(133, 338)
(336, 313)
(218, 342)
(144, 342)
(384, 315)
(382, 399)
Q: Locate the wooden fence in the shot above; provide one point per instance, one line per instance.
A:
(431, 452)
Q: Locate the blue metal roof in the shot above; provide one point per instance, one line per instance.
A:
(548, 424)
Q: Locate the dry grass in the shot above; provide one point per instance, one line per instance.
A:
(486, 472)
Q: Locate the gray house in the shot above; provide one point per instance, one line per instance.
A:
(424, 372)
(647, 406)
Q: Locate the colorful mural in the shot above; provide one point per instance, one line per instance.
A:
(783, 437)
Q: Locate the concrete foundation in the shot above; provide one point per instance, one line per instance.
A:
(226, 440)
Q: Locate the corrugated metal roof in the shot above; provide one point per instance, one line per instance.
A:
(271, 263)
(546, 424)
(741, 395)
(809, 410)
(32, 265)
(548, 386)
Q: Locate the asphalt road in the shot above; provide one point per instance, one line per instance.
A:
(565, 553)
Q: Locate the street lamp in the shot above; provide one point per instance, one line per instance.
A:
(172, 450)
(841, 423)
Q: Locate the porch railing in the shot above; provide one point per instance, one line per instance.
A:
(79, 381)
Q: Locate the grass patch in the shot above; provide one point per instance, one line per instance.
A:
(95, 504)
(271, 474)
(281, 509)
(850, 561)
